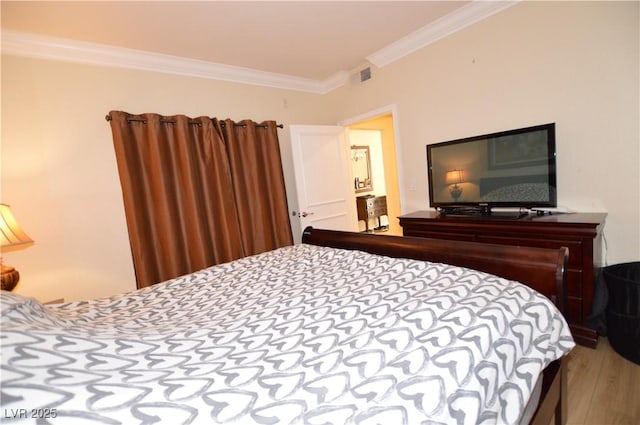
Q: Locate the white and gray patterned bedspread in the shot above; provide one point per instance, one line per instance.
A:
(302, 334)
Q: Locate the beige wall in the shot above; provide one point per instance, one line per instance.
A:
(573, 63)
(59, 171)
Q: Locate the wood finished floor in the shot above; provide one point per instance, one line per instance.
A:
(604, 387)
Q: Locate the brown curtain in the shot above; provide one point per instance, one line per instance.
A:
(258, 184)
(183, 198)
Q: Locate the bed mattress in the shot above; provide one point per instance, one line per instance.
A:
(302, 334)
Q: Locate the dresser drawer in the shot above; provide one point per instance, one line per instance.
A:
(426, 233)
(574, 310)
(575, 246)
(371, 207)
(380, 202)
(574, 283)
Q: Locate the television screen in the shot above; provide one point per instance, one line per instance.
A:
(515, 168)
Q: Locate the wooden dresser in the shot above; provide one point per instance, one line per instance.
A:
(371, 206)
(580, 232)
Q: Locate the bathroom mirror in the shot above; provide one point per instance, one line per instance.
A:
(361, 165)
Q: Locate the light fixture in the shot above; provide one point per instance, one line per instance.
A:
(12, 238)
(454, 177)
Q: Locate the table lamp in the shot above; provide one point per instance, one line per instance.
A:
(454, 177)
(12, 238)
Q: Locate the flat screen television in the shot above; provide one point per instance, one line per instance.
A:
(515, 169)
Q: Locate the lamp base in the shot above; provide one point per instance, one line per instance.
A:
(10, 278)
(455, 192)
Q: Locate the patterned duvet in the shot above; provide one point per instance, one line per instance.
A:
(302, 335)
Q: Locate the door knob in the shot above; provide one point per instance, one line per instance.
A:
(303, 214)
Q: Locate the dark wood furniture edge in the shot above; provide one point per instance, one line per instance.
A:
(553, 399)
(540, 268)
(584, 335)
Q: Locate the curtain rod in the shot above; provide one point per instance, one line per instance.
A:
(130, 119)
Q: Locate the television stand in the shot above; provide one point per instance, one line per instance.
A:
(580, 232)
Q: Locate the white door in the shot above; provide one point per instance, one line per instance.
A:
(324, 183)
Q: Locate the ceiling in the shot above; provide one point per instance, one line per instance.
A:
(303, 41)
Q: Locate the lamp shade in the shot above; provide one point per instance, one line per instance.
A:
(453, 177)
(11, 233)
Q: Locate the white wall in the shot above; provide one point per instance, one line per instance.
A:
(573, 63)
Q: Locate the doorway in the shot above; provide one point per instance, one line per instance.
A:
(317, 149)
(376, 129)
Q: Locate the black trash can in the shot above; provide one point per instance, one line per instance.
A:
(623, 309)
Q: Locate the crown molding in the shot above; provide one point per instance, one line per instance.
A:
(51, 48)
(441, 28)
(43, 47)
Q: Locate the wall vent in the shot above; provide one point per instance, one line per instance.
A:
(365, 74)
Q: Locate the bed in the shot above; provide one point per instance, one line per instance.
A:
(345, 328)
(527, 188)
